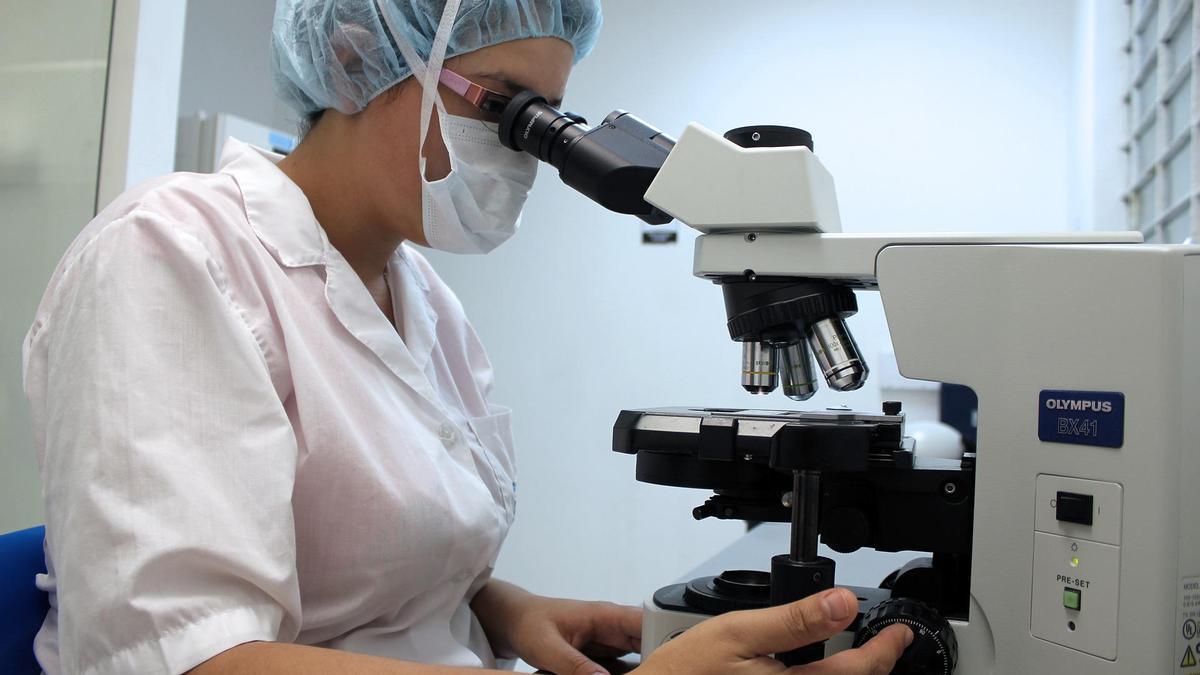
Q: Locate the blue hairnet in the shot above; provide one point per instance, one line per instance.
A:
(339, 54)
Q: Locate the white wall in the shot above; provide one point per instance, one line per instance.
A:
(932, 116)
(1099, 169)
(226, 62)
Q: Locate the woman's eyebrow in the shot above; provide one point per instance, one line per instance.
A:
(516, 87)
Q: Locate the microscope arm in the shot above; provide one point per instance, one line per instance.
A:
(849, 259)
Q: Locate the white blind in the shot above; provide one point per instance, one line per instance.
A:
(1160, 103)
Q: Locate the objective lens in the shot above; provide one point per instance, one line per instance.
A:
(758, 367)
(795, 369)
(837, 354)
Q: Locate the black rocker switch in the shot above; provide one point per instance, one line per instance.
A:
(1071, 507)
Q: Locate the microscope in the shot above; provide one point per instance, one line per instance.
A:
(1066, 542)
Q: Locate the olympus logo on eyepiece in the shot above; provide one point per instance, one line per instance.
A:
(529, 126)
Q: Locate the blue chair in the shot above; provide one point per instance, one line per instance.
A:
(22, 605)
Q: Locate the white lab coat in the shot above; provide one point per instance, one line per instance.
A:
(237, 445)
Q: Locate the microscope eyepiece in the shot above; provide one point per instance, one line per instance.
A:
(532, 125)
(613, 163)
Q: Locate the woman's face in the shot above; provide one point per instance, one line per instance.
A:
(390, 122)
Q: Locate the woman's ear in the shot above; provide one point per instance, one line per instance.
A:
(403, 105)
(349, 41)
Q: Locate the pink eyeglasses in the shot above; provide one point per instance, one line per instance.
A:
(481, 97)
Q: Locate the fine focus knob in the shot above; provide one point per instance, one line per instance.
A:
(934, 650)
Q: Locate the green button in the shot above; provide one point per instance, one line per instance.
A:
(1071, 598)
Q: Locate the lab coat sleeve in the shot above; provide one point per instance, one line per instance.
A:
(167, 458)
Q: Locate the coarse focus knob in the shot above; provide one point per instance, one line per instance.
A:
(934, 650)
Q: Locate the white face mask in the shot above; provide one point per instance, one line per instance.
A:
(477, 206)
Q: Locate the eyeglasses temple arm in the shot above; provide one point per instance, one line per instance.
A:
(465, 88)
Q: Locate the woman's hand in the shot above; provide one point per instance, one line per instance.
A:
(739, 643)
(553, 634)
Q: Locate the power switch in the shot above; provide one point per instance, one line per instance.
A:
(1072, 507)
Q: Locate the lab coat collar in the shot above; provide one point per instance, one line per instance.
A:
(282, 217)
(280, 212)
(276, 207)
(354, 307)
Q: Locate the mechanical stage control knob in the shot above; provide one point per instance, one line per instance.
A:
(934, 650)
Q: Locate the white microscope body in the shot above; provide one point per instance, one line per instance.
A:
(1084, 351)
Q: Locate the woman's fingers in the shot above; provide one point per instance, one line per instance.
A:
(877, 657)
(617, 626)
(787, 627)
(597, 650)
(559, 657)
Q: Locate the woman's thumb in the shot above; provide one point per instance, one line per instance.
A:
(786, 627)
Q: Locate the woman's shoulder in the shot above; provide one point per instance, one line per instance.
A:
(203, 206)
(180, 219)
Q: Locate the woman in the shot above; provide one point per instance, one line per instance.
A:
(263, 421)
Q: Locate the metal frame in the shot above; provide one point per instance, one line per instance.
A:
(1158, 74)
(118, 102)
(141, 98)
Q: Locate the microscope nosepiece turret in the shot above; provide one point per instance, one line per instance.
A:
(778, 320)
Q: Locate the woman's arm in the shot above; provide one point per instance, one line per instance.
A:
(555, 634)
(497, 606)
(734, 642)
(269, 658)
(168, 458)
